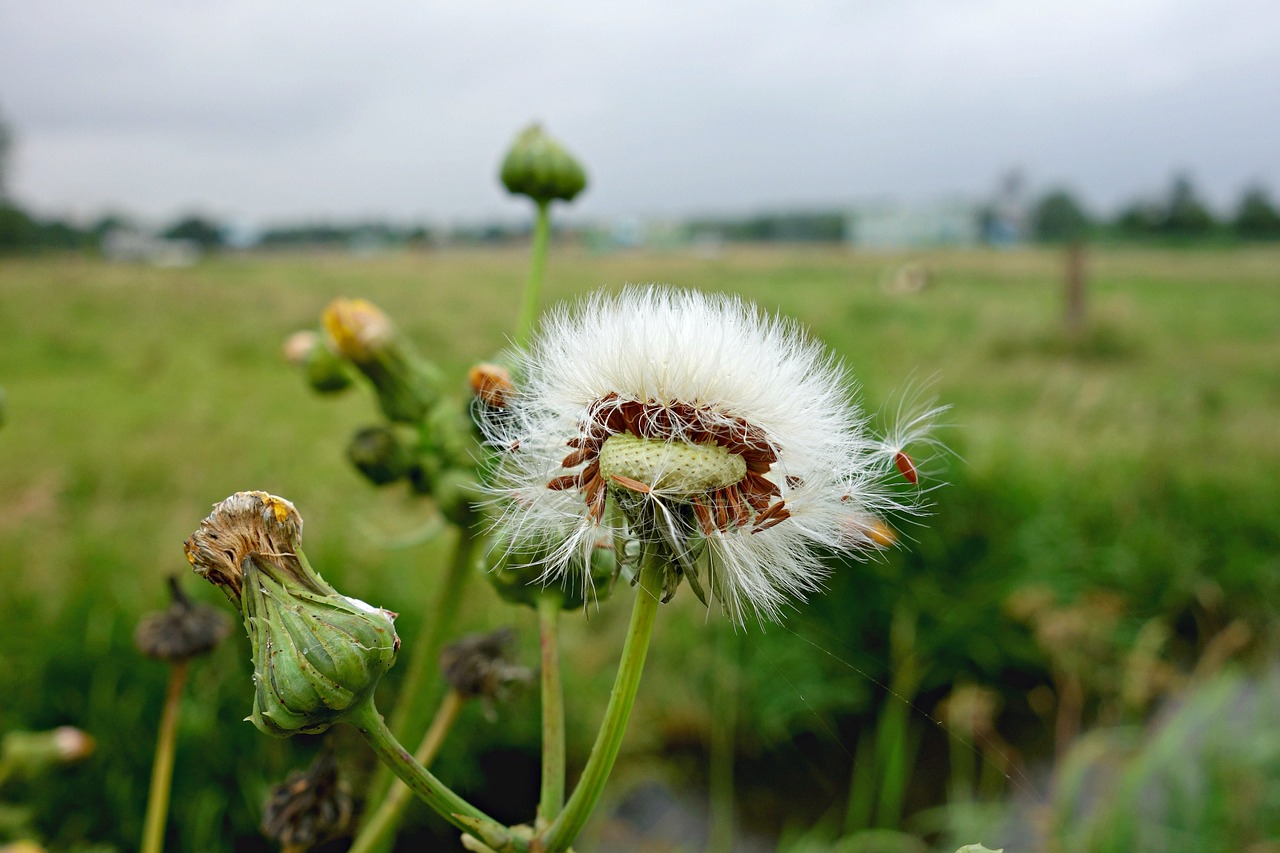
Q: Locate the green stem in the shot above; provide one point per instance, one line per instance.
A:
(439, 796)
(162, 767)
(537, 263)
(724, 707)
(551, 800)
(439, 625)
(381, 828)
(569, 823)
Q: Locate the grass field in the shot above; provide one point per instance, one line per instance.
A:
(1141, 459)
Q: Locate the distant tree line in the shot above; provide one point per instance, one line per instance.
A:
(1180, 216)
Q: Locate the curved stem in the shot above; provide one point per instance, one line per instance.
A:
(537, 263)
(439, 796)
(381, 828)
(569, 823)
(551, 800)
(162, 767)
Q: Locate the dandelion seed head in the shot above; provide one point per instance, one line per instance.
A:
(696, 420)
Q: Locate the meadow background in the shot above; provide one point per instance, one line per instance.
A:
(1107, 533)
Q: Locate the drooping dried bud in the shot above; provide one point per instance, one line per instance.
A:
(325, 371)
(30, 753)
(407, 387)
(539, 167)
(379, 455)
(317, 654)
(183, 631)
(491, 384)
(244, 524)
(478, 665)
(308, 808)
(518, 576)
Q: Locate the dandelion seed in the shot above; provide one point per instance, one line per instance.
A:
(696, 422)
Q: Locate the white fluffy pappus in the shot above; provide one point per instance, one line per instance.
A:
(732, 432)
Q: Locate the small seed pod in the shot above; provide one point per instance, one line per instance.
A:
(379, 455)
(309, 808)
(539, 167)
(478, 666)
(183, 631)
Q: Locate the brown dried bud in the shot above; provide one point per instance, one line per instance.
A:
(308, 808)
(181, 632)
(477, 665)
(244, 524)
(491, 384)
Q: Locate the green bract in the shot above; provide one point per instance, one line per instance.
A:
(518, 577)
(539, 167)
(316, 654)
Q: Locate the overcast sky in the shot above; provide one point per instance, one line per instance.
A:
(267, 111)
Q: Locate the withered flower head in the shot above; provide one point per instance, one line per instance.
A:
(245, 524)
(308, 808)
(478, 665)
(317, 654)
(186, 629)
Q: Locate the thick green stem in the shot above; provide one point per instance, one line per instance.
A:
(569, 823)
(537, 263)
(381, 827)
(162, 767)
(551, 800)
(439, 796)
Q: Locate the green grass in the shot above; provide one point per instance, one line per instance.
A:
(1142, 458)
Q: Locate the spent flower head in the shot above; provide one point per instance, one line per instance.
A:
(696, 424)
(406, 385)
(317, 654)
(182, 631)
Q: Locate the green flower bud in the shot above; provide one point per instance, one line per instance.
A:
(317, 655)
(407, 387)
(539, 167)
(379, 455)
(517, 575)
(324, 369)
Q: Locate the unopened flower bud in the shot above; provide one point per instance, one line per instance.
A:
(309, 808)
(379, 455)
(317, 654)
(325, 371)
(186, 629)
(29, 753)
(538, 166)
(407, 387)
(478, 665)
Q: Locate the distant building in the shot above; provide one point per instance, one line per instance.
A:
(121, 244)
(890, 226)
